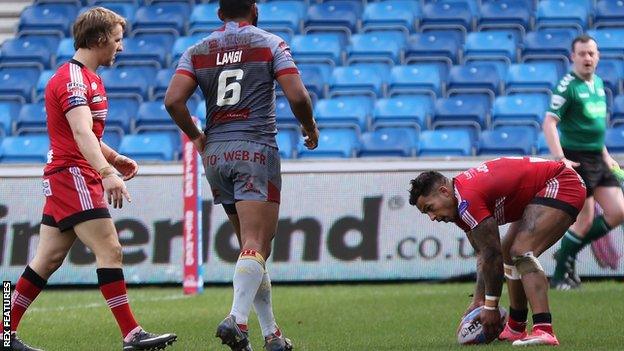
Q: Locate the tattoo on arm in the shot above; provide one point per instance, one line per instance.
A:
(487, 241)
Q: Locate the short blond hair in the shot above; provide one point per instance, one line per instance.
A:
(95, 26)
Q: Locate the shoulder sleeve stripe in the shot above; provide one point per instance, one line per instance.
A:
(548, 113)
(186, 73)
(290, 70)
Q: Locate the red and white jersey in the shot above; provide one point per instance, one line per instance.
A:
(502, 188)
(71, 86)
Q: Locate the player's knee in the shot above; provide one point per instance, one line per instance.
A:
(511, 272)
(615, 218)
(112, 255)
(527, 263)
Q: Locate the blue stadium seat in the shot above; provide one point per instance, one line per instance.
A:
(282, 15)
(152, 146)
(541, 146)
(415, 79)
(9, 110)
(380, 46)
(32, 118)
(283, 114)
(42, 82)
(617, 111)
(48, 18)
(65, 51)
(25, 149)
(356, 81)
(611, 71)
(183, 43)
(443, 143)
(448, 15)
(140, 52)
(559, 13)
(531, 77)
(344, 111)
(474, 78)
(392, 15)
(317, 47)
(610, 41)
(333, 15)
(461, 111)
(509, 140)
(129, 81)
(152, 115)
(333, 143)
(433, 46)
(520, 109)
(402, 142)
(614, 139)
(111, 139)
(204, 18)
(551, 44)
(507, 14)
(121, 114)
(161, 82)
(383, 69)
(26, 51)
(17, 83)
(284, 34)
(163, 17)
(315, 78)
(287, 143)
(404, 110)
(609, 13)
(492, 45)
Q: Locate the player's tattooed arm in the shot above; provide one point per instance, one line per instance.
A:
(485, 238)
(478, 296)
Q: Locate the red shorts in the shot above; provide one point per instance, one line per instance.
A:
(566, 191)
(73, 195)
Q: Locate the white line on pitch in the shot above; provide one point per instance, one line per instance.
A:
(101, 304)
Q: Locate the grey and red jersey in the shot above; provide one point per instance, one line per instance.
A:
(235, 67)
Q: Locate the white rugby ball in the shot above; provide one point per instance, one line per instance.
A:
(470, 330)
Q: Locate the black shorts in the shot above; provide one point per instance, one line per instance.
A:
(593, 169)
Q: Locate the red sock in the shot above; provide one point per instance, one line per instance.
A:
(242, 327)
(516, 326)
(113, 287)
(547, 327)
(27, 288)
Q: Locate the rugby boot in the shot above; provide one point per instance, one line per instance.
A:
(538, 337)
(277, 343)
(509, 334)
(143, 340)
(232, 336)
(18, 345)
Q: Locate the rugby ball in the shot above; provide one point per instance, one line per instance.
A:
(470, 330)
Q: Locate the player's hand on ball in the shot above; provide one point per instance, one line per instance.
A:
(126, 166)
(491, 322)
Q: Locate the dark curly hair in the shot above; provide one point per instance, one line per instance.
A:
(235, 8)
(424, 184)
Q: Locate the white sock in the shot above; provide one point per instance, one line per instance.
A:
(247, 279)
(264, 307)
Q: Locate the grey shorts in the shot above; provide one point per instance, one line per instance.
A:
(242, 170)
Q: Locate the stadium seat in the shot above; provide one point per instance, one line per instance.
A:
(456, 15)
(152, 115)
(48, 18)
(25, 149)
(404, 110)
(508, 140)
(42, 82)
(161, 82)
(560, 13)
(461, 111)
(283, 114)
(129, 81)
(287, 143)
(617, 111)
(614, 139)
(315, 78)
(433, 46)
(282, 15)
(531, 77)
(9, 110)
(356, 81)
(182, 43)
(17, 83)
(384, 46)
(415, 79)
(541, 146)
(139, 52)
(609, 13)
(610, 41)
(162, 17)
(506, 14)
(344, 111)
(402, 142)
(111, 139)
(520, 109)
(391, 15)
(204, 18)
(152, 146)
(32, 118)
(474, 78)
(551, 44)
(317, 47)
(333, 143)
(333, 15)
(445, 143)
(611, 71)
(26, 51)
(121, 114)
(491, 45)
(65, 51)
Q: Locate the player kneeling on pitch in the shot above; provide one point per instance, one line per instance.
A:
(540, 199)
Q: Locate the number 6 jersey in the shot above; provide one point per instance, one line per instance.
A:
(235, 67)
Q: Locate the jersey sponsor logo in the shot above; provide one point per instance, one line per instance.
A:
(50, 156)
(564, 82)
(229, 116)
(556, 101)
(75, 100)
(596, 110)
(97, 98)
(93, 85)
(47, 190)
(462, 207)
(76, 88)
(601, 92)
(223, 58)
(583, 95)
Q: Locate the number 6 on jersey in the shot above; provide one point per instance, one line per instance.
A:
(224, 87)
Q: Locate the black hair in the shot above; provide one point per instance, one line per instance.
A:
(236, 8)
(424, 184)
